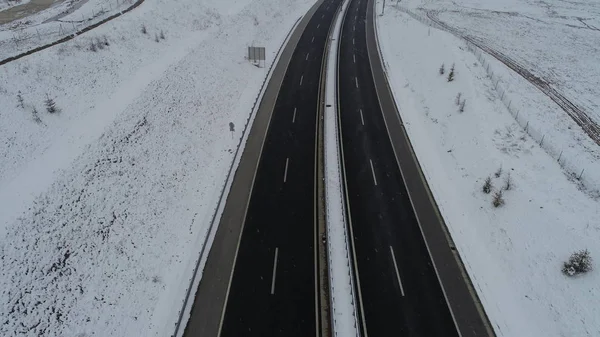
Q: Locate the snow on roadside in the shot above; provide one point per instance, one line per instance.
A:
(112, 193)
(513, 253)
(343, 310)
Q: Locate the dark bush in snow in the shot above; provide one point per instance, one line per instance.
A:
(498, 199)
(144, 30)
(458, 97)
(451, 74)
(50, 105)
(580, 262)
(487, 186)
(461, 107)
(442, 69)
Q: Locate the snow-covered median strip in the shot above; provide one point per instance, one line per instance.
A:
(343, 311)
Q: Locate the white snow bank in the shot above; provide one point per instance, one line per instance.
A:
(513, 253)
(103, 203)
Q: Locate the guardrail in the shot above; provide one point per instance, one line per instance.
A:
(228, 180)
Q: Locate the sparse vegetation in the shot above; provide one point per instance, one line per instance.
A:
(105, 41)
(451, 74)
(156, 39)
(93, 46)
(498, 173)
(580, 262)
(461, 107)
(20, 100)
(162, 35)
(487, 185)
(50, 105)
(508, 182)
(498, 199)
(457, 100)
(442, 69)
(144, 30)
(36, 115)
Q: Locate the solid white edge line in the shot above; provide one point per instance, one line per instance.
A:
(361, 117)
(397, 272)
(287, 160)
(373, 171)
(294, 117)
(275, 271)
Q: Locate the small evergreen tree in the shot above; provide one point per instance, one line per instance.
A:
(442, 69)
(451, 74)
(461, 107)
(457, 100)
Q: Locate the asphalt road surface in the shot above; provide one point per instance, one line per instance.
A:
(399, 291)
(274, 287)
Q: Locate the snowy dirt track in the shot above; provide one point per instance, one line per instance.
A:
(103, 203)
(513, 253)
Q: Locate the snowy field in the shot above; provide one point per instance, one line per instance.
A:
(513, 253)
(61, 19)
(4, 4)
(104, 202)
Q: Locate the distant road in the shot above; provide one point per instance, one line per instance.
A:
(268, 285)
(398, 283)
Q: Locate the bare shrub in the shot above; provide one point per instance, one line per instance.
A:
(580, 262)
(461, 107)
(442, 69)
(93, 46)
(105, 41)
(144, 30)
(457, 100)
(498, 199)
(162, 35)
(156, 39)
(498, 173)
(508, 182)
(20, 100)
(36, 115)
(50, 105)
(487, 185)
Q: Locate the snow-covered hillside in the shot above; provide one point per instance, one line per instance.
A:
(513, 253)
(103, 204)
